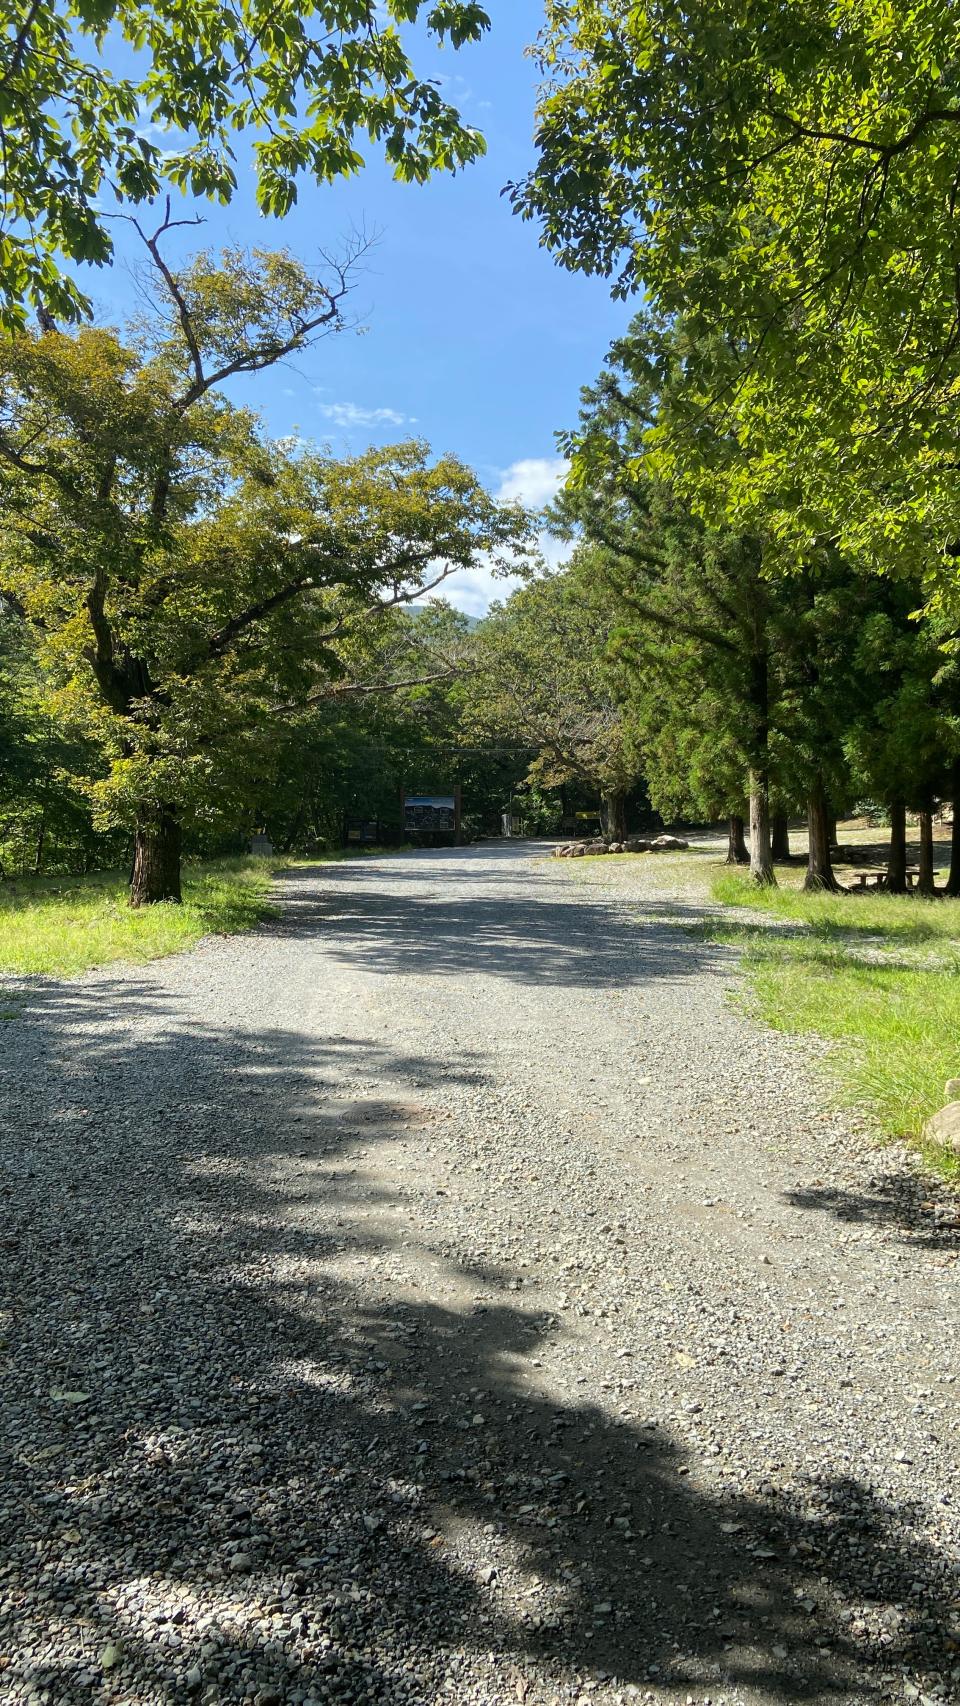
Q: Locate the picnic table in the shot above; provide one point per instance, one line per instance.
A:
(879, 877)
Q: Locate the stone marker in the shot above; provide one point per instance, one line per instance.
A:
(944, 1125)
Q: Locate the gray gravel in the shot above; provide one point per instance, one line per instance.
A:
(446, 1295)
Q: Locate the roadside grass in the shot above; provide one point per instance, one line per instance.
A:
(877, 975)
(65, 925)
(61, 926)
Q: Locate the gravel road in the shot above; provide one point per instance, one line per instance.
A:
(445, 1295)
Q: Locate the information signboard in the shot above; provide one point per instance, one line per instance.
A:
(429, 813)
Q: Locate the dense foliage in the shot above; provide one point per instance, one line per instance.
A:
(190, 583)
(785, 178)
(132, 97)
(205, 631)
(805, 691)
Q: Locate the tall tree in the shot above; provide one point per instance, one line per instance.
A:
(696, 600)
(545, 684)
(905, 734)
(190, 579)
(306, 77)
(786, 177)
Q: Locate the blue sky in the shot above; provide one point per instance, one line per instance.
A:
(473, 339)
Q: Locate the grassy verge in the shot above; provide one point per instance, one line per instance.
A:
(65, 925)
(879, 976)
(60, 926)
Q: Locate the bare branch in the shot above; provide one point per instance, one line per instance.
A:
(152, 245)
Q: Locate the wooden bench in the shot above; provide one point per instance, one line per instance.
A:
(878, 879)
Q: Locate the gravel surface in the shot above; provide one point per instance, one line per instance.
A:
(446, 1295)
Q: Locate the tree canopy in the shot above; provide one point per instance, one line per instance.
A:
(192, 581)
(544, 683)
(302, 79)
(786, 179)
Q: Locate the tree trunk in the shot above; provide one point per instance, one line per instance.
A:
(954, 877)
(925, 882)
(156, 857)
(953, 880)
(832, 831)
(897, 859)
(780, 838)
(761, 853)
(736, 845)
(819, 867)
(613, 816)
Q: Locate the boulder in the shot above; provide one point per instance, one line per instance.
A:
(578, 850)
(617, 847)
(564, 852)
(668, 843)
(635, 845)
(944, 1126)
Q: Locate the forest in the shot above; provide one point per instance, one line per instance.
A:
(208, 636)
(208, 633)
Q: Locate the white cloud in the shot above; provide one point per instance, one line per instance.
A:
(474, 590)
(533, 481)
(352, 415)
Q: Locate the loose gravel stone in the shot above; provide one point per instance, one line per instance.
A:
(446, 1295)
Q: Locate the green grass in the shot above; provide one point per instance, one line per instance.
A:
(60, 926)
(65, 925)
(877, 975)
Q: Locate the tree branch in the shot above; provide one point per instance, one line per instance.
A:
(884, 150)
(20, 43)
(340, 690)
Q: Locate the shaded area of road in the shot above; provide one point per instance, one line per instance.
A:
(237, 1444)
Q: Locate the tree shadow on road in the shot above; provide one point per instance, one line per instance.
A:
(241, 1443)
(916, 1207)
(506, 933)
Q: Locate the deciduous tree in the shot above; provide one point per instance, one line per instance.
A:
(786, 178)
(190, 579)
(127, 97)
(546, 685)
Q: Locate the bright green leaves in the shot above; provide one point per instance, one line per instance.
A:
(309, 76)
(460, 23)
(784, 177)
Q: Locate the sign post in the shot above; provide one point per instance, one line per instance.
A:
(431, 814)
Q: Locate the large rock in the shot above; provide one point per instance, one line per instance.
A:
(944, 1126)
(636, 845)
(669, 843)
